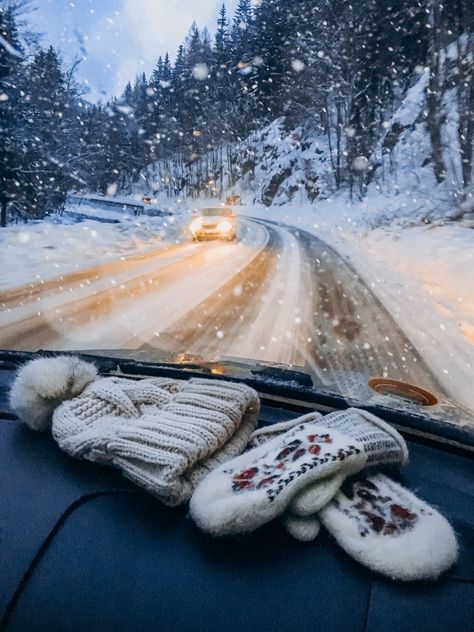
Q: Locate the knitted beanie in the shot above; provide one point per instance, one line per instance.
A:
(163, 434)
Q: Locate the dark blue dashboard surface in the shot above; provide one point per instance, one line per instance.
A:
(83, 549)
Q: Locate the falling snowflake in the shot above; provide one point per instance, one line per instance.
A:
(201, 72)
(361, 163)
(297, 65)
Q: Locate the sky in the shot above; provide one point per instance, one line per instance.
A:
(118, 39)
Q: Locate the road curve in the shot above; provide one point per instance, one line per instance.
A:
(279, 295)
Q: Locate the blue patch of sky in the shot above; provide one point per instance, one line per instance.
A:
(118, 39)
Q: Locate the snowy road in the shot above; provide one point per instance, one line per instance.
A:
(278, 294)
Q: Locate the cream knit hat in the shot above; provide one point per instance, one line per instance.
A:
(163, 434)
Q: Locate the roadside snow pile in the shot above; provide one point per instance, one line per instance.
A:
(375, 210)
(425, 278)
(51, 248)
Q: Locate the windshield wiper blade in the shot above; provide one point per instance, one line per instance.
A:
(226, 367)
(280, 374)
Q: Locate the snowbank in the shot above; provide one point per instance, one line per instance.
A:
(50, 248)
(425, 278)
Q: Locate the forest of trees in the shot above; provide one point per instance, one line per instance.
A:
(331, 65)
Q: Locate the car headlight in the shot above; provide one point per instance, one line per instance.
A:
(225, 226)
(195, 225)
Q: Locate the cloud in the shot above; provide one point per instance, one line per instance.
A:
(160, 26)
(120, 38)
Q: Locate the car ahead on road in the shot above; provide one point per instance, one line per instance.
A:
(214, 223)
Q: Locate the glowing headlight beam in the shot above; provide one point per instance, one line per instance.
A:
(225, 226)
(195, 225)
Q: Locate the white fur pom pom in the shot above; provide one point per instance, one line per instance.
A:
(41, 385)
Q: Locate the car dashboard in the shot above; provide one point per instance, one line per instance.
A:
(82, 548)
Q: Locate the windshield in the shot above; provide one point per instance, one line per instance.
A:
(339, 134)
(212, 212)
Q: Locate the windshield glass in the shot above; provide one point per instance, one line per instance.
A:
(212, 212)
(341, 136)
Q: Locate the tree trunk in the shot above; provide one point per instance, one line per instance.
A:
(434, 96)
(339, 126)
(466, 113)
(3, 212)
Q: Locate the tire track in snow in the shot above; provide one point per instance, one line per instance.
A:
(105, 316)
(354, 336)
(211, 326)
(262, 313)
(290, 300)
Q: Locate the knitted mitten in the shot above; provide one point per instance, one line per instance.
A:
(316, 495)
(257, 486)
(302, 528)
(377, 522)
(265, 433)
(312, 498)
(388, 529)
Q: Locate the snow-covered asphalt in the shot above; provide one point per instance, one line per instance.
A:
(278, 294)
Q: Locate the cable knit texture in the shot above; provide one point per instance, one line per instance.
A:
(163, 434)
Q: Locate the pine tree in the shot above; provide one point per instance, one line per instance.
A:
(46, 128)
(243, 18)
(221, 47)
(127, 96)
(195, 92)
(10, 105)
(96, 174)
(271, 55)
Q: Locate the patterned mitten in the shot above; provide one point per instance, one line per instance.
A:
(388, 529)
(257, 486)
(303, 528)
